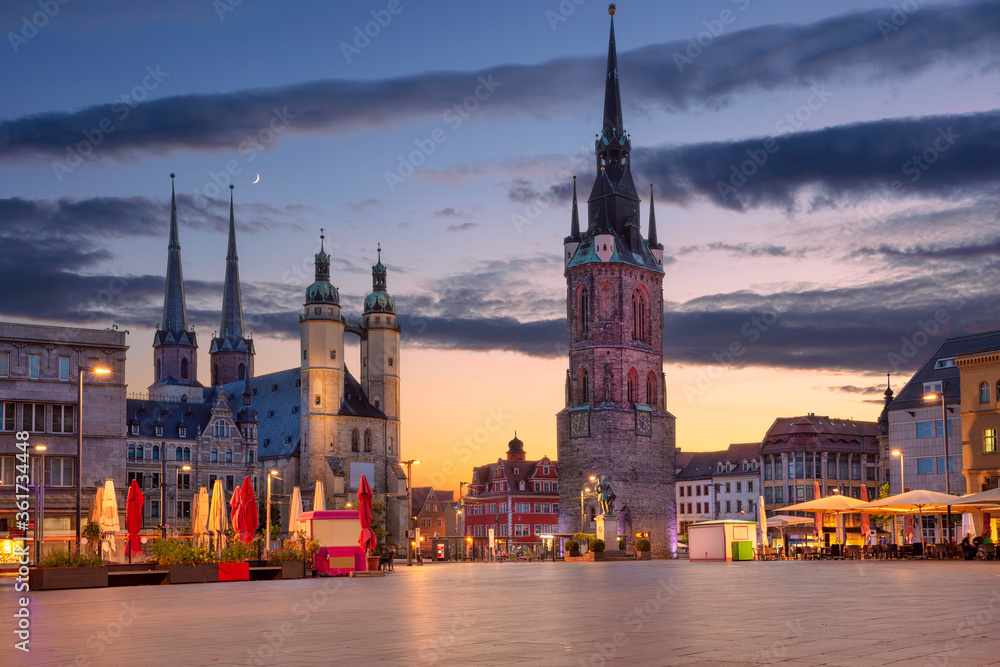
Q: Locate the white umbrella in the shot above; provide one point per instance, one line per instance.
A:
(911, 501)
(110, 522)
(199, 518)
(218, 515)
(319, 500)
(294, 510)
(763, 521)
(968, 527)
(97, 507)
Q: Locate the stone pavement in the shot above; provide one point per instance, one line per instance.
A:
(644, 613)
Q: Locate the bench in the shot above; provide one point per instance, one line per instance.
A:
(139, 578)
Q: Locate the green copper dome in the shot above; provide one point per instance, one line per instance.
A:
(380, 302)
(322, 291)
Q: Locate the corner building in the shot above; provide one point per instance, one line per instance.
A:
(615, 422)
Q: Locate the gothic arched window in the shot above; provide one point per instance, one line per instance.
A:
(156, 452)
(158, 376)
(184, 368)
(368, 440)
(243, 370)
(582, 387)
(984, 392)
(651, 389)
(131, 451)
(606, 302)
(640, 314)
(179, 454)
(633, 386)
(187, 453)
(215, 455)
(582, 312)
(354, 441)
(138, 452)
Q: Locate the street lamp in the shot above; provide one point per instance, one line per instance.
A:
(271, 474)
(40, 505)
(177, 495)
(583, 516)
(79, 442)
(947, 459)
(409, 506)
(902, 478)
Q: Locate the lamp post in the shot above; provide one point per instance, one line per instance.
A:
(409, 510)
(271, 474)
(177, 494)
(79, 442)
(40, 505)
(902, 478)
(583, 516)
(947, 459)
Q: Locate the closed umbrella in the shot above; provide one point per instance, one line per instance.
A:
(319, 499)
(367, 539)
(865, 525)
(110, 522)
(97, 507)
(199, 520)
(817, 516)
(294, 510)
(234, 513)
(908, 529)
(133, 518)
(248, 511)
(218, 519)
(763, 521)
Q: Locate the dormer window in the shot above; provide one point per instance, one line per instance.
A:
(135, 429)
(516, 471)
(182, 431)
(159, 430)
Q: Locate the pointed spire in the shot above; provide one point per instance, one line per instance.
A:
(174, 308)
(612, 94)
(652, 220)
(574, 228)
(231, 327)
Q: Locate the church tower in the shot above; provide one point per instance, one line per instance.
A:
(231, 354)
(321, 329)
(175, 347)
(380, 353)
(615, 422)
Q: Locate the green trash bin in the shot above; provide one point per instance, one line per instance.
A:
(742, 550)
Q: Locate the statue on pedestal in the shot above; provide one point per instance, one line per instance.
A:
(606, 496)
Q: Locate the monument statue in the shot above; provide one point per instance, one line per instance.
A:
(606, 496)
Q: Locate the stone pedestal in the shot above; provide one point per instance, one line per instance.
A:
(607, 530)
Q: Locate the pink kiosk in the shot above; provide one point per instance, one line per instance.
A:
(337, 532)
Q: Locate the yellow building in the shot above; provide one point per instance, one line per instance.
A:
(980, 382)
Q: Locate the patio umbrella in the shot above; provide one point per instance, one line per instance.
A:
(97, 507)
(133, 518)
(913, 501)
(908, 529)
(319, 499)
(248, 511)
(199, 519)
(234, 512)
(294, 510)
(217, 518)
(110, 523)
(763, 521)
(836, 504)
(968, 527)
(817, 516)
(865, 525)
(367, 539)
(987, 525)
(783, 521)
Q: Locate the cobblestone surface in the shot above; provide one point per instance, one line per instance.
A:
(645, 613)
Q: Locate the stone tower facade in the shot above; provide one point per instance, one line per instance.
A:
(231, 354)
(615, 422)
(380, 353)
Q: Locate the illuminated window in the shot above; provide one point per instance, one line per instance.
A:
(990, 441)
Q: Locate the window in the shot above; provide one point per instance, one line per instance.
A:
(137, 476)
(355, 445)
(138, 452)
(184, 509)
(767, 468)
(187, 453)
(582, 387)
(739, 487)
(179, 454)
(390, 446)
(154, 509)
(184, 368)
(799, 469)
(390, 361)
(925, 466)
(984, 392)
(33, 417)
(215, 455)
(250, 456)
(134, 429)
(990, 441)
(640, 315)
(61, 471)
(63, 418)
(739, 505)
(159, 430)
(229, 456)
(548, 508)
(729, 506)
(156, 452)
(728, 488)
(777, 467)
(606, 302)
(925, 430)
(843, 467)
(750, 486)
(521, 530)
(33, 363)
(368, 441)
(779, 493)
(229, 482)
(7, 422)
(952, 460)
(633, 386)
(425, 522)
(131, 451)
(4, 364)
(768, 495)
(869, 474)
(64, 368)
(545, 486)
(582, 312)
(184, 481)
(154, 482)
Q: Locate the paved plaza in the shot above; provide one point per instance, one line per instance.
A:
(646, 613)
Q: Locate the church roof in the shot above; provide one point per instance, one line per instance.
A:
(586, 253)
(276, 397)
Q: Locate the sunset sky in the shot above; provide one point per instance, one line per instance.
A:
(826, 177)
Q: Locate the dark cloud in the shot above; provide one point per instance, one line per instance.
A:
(845, 48)
(739, 249)
(447, 213)
(853, 389)
(464, 227)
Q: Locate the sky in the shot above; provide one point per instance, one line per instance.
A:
(825, 177)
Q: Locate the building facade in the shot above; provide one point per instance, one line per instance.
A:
(980, 409)
(736, 481)
(517, 498)
(40, 368)
(615, 421)
(696, 490)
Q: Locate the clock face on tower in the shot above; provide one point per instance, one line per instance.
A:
(579, 424)
(643, 422)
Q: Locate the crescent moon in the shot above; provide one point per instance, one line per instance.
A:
(258, 178)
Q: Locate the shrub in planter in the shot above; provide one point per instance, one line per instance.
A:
(70, 559)
(597, 546)
(172, 551)
(572, 546)
(642, 545)
(621, 544)
(237, 552)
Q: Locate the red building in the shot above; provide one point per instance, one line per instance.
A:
(518, 499)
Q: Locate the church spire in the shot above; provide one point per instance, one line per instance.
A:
(574, 227)
(612, 94)
(232, 303)
(174, 308)
(652, 221)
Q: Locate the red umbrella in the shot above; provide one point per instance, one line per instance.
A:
(234, 514)
(133, 518)
(367, 539)
(817, 516)
(865, 526)
(908, 530)
(248, 511)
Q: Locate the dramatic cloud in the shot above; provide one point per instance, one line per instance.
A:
(739, 249)
(464, 227)
(846, 48)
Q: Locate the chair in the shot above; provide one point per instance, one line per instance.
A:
(853, 552)
(892, 551)
(987, 551)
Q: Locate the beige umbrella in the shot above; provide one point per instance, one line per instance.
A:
(294, 510)
(783, 521)
(836, 504)
(914, 501)
(110, 522)
(199, 518)
(218, 514)
(319, 500)
(97, 507)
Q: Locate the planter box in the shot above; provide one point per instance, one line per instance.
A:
(235, 571)
(293, 569)
(52, 578)
(193, 573)
(644, 555)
